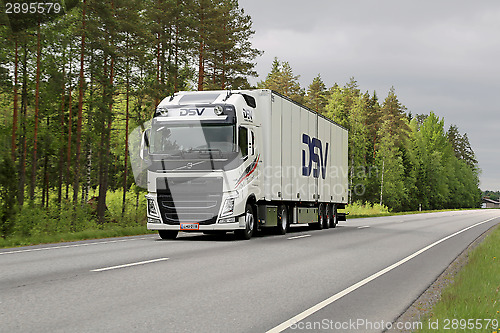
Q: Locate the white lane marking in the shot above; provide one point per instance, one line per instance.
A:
(364, 227)
(286, 324)
(73, 245)
(128, 265)
(297, 237)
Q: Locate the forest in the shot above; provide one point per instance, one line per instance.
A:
(74, 83)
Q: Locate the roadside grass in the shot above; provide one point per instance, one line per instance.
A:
(34, 225)
(359, 210)
(472, 301)
(17, 241)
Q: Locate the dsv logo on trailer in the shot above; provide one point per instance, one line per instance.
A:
(317, 158)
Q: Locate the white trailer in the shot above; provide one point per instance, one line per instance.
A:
(242, 160)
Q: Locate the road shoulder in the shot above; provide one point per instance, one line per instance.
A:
(421, 308)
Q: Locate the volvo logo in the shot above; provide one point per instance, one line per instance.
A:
(189, 165)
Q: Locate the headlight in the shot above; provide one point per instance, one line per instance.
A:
(228, 207)
(152, 207)
(228, 220)
(152, 220)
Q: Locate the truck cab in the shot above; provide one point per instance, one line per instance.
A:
(203, 157)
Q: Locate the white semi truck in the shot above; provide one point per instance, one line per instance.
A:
(221, 161)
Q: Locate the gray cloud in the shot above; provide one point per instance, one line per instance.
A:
(439, 55)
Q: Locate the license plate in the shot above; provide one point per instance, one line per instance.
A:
(190, 226)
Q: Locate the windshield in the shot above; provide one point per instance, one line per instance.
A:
(177, 139)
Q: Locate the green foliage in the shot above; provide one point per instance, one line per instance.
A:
(282, 80)
(8, 191)
(32, 225)
(103, 65)
(491, 195)
(316, 95)
(395, 159)
(360, 209)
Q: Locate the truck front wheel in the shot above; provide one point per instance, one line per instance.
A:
(168, 234)
(249, 224)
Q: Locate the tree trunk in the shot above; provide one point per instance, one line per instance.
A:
(85, 196)
(14, 116)
(24, 106)
(80, 112)
(158, 61)
(70, 128)
(45, 187)
(105, 143)
(61, 151)
(37, 111)
(176, 52)
(201, 60)
(127, 101)
(201, 68)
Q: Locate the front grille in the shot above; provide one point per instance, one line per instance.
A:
(187, 199)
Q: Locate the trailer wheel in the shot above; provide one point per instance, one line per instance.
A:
(283, 222)
(334, 220)
(249, 224)
(321, 217)
(328, 216)
(168, 234)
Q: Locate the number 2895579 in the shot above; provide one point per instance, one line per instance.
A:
(32, 7)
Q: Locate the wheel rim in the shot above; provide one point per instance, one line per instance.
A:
(321, 217)
(249, 221)
(284, 221)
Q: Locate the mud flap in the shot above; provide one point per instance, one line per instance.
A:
(341, 216)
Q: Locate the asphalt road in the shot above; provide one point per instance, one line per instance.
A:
(365, 272)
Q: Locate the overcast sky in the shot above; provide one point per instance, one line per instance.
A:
(441, 56)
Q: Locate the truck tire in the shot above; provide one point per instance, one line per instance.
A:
(334, 219)
(328, 216)
(168, 234)
(283, 222)
(321, 217)
(250, 224)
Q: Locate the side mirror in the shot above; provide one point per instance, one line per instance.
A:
(145, 144)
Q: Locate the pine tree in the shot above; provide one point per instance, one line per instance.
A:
(393, 113)
(316, 95)
(461, 146)
(282, 80)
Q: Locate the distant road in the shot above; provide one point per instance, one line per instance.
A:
(366, 270)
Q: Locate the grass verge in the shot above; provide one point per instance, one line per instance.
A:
(472, 302)
(73, 236)
(359, 210)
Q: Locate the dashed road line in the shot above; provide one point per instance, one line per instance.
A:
(297, 237)
(128, 265)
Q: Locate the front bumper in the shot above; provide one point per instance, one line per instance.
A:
(240, 224)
